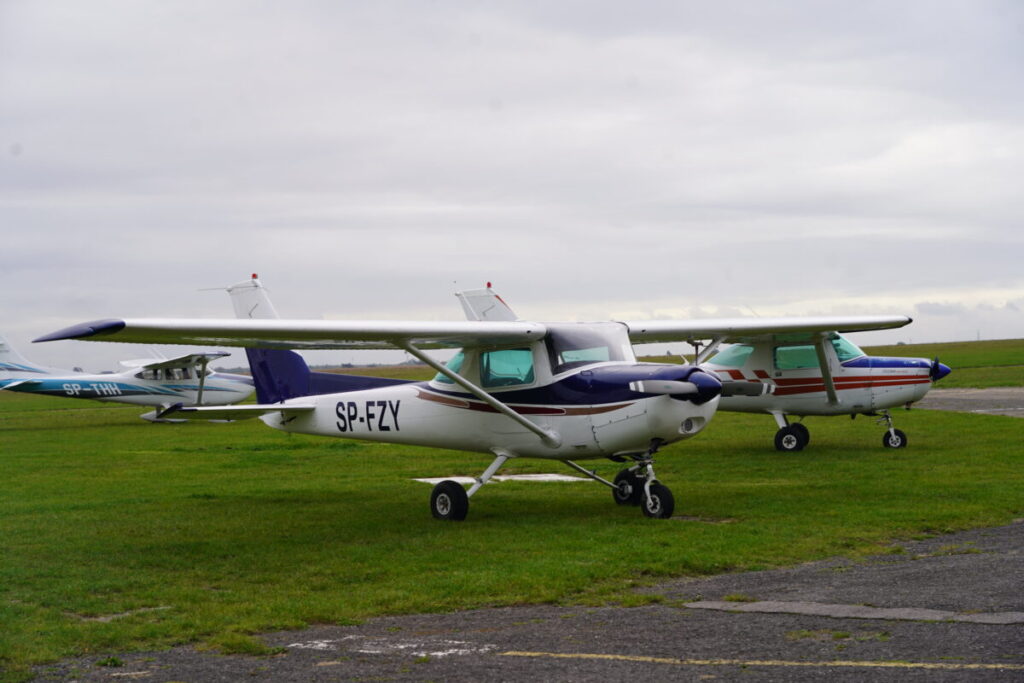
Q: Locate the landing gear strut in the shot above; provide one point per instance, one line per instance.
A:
(637, 485)
(450, 502)
(893, 438)
(791, 437)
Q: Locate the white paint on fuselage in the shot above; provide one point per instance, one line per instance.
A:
(405, 414)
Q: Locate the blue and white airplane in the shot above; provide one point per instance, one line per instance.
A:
(818, 372)
(150, 382)
(560, 391)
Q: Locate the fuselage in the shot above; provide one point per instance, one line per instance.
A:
(138, 387)
(863, 384)
(579, 383)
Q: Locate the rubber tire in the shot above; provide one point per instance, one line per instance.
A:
(449, 501)
(788, 440)
(660, 504)
(900, 440)
(804, 432)
(636, 488)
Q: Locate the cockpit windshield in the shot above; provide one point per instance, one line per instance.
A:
(846, 349)
(572, 346)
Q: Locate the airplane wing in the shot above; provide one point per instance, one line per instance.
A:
(734, 330)
(243, 412)
(303, 334)
(186, 361)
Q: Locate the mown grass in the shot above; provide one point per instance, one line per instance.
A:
(117, 534)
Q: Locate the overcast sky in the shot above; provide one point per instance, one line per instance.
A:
(592, 159)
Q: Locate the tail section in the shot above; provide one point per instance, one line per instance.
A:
(485, 304)
(251, 301)
(13, 364)
(280, 374)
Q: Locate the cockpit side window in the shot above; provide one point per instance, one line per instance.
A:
(506, 367)
(795, 357)
(734, 356)
(455, 364)
(573, 347)
(805, 355)
(846, 349)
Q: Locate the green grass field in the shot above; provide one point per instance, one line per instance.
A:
(118, 534)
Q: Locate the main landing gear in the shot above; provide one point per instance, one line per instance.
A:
(793, 437)
(790, 437)
(634, 485)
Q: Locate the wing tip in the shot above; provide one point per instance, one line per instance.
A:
(84, 330)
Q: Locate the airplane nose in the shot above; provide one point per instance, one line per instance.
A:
(939, 370)
(708, 387)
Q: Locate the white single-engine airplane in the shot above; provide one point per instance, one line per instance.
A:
(556, 391)
(820, 372)
(150, 382)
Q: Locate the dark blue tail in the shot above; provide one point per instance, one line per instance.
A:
(280, 375)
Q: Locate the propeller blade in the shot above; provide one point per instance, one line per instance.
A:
(664, 386)
(747, 388)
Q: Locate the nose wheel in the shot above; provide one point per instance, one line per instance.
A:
(637, 485)
(893, 438)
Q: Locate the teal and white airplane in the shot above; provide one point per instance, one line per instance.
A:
(159, 382)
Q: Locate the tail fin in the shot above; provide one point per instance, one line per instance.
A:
(251, 301)
(280, 374)
(485, 304)
(13, 362)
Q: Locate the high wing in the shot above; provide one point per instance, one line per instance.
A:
(186, 361)
(304, 334)
(732, 330)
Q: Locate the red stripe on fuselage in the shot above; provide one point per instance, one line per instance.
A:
(482, 407)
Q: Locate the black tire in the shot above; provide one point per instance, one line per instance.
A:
(629, 488)
(894, 439)
(803, 432)
(659, 504)
(449, 501)
(788, 440)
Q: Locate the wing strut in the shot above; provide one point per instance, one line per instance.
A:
(203, 362)
(702, 356)
(826, 369)
(549, 437)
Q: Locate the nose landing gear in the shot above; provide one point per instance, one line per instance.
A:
(637, 485)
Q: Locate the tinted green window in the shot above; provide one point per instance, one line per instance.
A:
(846, 349)
(804, 356)
(734, 356)
(795, 357)
(455, 364)
(506, 368)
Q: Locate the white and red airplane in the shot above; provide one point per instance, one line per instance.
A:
(559, 391)
(818, 372)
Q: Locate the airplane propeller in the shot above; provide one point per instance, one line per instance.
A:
(938, 370)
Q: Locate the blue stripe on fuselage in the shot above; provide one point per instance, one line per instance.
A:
(595, 386)
(887, 362)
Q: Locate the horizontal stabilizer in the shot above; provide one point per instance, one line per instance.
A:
(24, 383)
(243, 412)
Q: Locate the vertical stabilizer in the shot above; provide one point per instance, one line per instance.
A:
(280, 374)
(251, 301)
(13, 363)
(485, 304)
